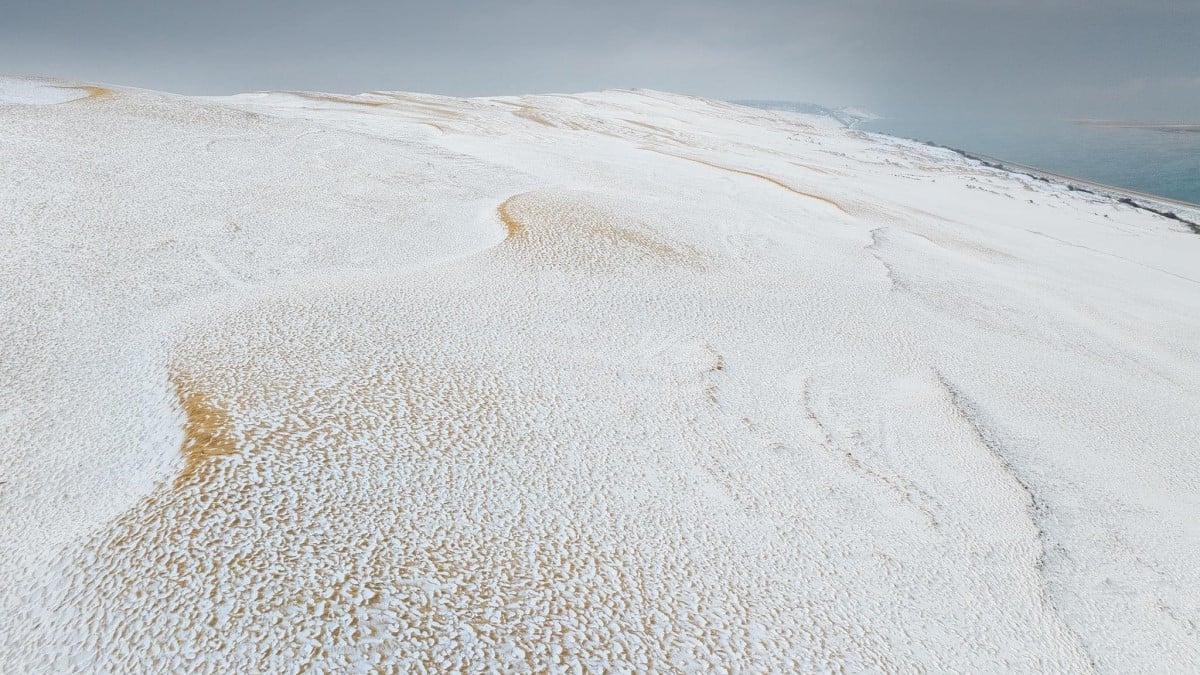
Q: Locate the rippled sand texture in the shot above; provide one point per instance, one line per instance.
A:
(625, 381)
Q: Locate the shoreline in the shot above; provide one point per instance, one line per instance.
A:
(1156, 204)
(1121, 195)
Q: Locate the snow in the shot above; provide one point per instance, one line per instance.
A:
(33, 91)
(848, 116)
(623, 380)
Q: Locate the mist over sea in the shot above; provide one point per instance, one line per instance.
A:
(1155, 161)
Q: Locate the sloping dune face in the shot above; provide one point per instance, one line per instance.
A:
(618, 381)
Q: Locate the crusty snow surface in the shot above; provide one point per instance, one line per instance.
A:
(626, 380)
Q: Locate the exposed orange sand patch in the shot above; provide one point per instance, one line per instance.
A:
(585, 237)
(513, 225)
(206, 433)
(94, 93)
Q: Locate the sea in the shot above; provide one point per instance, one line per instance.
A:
(1156, 161)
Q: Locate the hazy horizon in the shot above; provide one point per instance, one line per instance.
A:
(1063, 58)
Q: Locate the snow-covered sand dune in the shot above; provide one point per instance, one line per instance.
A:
(624, 380)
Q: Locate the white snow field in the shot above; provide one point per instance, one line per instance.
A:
(621, 381)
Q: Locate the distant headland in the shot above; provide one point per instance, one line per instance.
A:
(1154, 126)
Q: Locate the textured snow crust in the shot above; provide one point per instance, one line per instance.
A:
(621, 381)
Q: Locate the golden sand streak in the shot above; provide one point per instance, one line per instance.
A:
(338, 98)
(651, 127)
(435, 126)
(535, 115)
(417, 103)
(94, 93)
(744, 172)
(206, 433)
(513, 226)
(528, 114)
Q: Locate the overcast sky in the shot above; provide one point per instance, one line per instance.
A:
(1069, 58)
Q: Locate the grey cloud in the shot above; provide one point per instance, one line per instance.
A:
(1050, 57)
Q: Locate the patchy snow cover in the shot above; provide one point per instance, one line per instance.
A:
(37, 91)
(623, 380)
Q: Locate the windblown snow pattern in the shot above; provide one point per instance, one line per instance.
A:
(620, 381)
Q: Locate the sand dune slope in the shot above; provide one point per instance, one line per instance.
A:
(624, 380)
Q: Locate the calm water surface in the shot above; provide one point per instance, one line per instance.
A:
(1165, 163)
